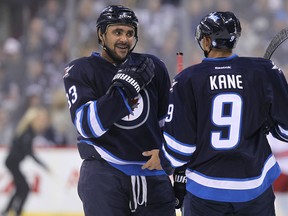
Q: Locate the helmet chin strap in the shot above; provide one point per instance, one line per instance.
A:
(206, 53)
(109, 53)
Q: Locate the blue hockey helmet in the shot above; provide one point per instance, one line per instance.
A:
(223, 28)
(117, 14)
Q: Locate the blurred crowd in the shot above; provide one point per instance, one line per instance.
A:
(38, 37)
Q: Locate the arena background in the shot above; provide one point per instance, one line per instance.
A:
(37, 39)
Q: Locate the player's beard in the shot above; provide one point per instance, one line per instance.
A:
(119, 53)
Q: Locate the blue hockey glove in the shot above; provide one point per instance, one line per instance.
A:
(180, 180)
(133, 78)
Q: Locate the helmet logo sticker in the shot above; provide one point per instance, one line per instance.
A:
(213, 17)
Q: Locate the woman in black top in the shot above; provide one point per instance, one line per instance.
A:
(34, 122)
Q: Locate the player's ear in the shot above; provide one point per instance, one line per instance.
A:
(206, 43)
(100, 36)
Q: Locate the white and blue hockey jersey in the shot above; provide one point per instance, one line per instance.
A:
(107, 126)
(218, 115)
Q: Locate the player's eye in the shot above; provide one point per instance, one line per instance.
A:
(118, 32)
(130, 34)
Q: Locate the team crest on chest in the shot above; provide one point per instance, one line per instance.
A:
(140, 113)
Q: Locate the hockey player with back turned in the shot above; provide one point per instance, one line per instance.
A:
(118, 101)
(220, 111)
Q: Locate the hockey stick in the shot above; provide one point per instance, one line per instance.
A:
(179, 62)
(276, 41)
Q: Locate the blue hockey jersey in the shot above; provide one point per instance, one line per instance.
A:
(107, 126)
(217, 117)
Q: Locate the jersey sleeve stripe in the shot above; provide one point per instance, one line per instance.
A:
(78, 122)
(181, 148)
(94, 123)
(86, 115)
(174, 162)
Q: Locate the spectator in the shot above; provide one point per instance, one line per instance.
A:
(35, 122)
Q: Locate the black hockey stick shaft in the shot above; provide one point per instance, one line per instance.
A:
(276, 41)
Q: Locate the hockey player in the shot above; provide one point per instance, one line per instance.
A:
(219, 113)
(118, 101)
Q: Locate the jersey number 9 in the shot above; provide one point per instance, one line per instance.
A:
(226, 115)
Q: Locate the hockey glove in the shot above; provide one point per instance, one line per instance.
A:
(179, 187)
(133, 78)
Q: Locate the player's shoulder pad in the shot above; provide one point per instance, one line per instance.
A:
(254, 60)
(76, 67)
(263, 65)
(262, 62)
(189, 71)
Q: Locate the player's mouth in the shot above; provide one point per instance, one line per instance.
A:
(122, 48)
(121, 52)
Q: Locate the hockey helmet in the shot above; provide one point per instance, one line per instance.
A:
(115, 14)
(223, 28)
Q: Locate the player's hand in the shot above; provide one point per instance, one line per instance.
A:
(133, 78)
(154, 161)
(180, 180)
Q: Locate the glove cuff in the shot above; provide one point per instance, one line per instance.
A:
(125, 78)
(130, 87)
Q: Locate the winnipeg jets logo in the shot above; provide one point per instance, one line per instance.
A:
(172, 85)
(134, 104)
(213, 17)
(137, 109)
(141, 110)
(66, 70)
